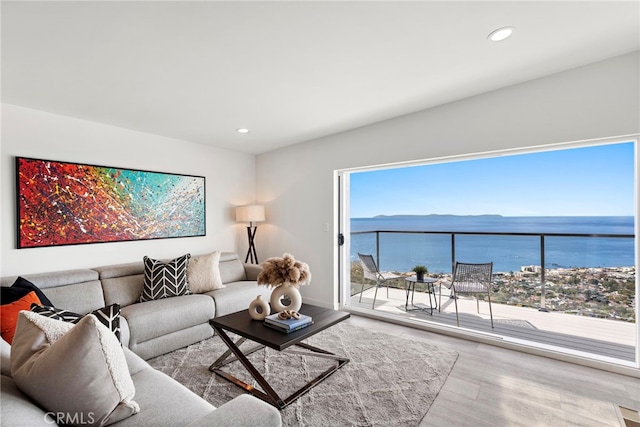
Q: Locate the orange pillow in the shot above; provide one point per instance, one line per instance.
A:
(9, 314)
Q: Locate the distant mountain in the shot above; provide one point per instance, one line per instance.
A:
(439, 215)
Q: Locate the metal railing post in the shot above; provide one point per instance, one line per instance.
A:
(542, 274)
(378, 249)
(453, 251)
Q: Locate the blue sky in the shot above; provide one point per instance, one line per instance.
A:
(588, 181)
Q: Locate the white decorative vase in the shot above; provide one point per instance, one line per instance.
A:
(286, 290)
(259, 308)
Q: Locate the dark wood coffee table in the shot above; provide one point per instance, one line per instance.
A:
(240, 323)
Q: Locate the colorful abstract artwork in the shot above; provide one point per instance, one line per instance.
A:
(68, 203)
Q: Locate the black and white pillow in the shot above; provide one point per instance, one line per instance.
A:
(164, 280)
(108, 316)
(56, 313)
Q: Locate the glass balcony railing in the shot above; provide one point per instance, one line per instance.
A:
(584, 274)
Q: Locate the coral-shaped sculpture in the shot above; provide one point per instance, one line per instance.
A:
(277, 271)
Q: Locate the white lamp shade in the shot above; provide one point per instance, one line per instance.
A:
(252, 213)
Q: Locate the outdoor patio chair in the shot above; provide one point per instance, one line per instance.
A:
(371, 272)
(470, 279)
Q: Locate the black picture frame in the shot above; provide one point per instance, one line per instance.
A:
(65, 203)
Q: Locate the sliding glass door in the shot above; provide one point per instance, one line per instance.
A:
(559, 225)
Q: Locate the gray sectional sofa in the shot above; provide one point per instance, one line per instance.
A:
(149, 329)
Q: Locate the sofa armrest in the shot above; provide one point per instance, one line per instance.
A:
(243, 411)
(252, 271)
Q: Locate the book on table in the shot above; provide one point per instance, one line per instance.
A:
(287, 331)
(288, 324)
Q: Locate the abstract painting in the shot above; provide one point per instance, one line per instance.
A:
(63, 203)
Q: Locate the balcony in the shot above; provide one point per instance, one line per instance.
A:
(602, 337)
(542, 323)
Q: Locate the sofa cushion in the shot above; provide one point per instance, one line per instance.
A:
(203, 273)
(151, 319)
(18, 410)
(167, 343)
(231, 268)
(237, 296)
(109, 316)
(9, 314)
(122, 283)
(242, 411)
(135, 363)
(81, 298)
(124, 331)
(46, 352)
(165, 402)
(165, 279)
(76, 290)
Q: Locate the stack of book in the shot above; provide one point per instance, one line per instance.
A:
(288, 325)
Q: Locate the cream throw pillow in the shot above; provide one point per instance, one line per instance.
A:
(5, 358)
(203, 273)
(76, 370)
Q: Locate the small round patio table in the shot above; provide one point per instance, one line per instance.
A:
(410, 288)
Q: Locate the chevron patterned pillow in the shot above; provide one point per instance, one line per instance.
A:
(109, 316)
(165, 280)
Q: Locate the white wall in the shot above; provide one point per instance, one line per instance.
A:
(297, 183)
(230, 181)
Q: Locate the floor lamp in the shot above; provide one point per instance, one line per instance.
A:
(250, 214)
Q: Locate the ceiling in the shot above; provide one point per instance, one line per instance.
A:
(288, 71)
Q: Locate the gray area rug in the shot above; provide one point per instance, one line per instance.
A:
(389, 381)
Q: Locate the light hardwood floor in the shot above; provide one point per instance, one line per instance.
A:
(493, 386)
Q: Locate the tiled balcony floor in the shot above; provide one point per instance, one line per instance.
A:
(610, 338)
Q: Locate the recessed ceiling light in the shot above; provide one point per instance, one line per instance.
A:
(242, 130)
(501, 34)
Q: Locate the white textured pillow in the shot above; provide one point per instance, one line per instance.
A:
(203, 273)
(5, 358)
(73, 369)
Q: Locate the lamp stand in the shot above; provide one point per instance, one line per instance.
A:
(251, 253)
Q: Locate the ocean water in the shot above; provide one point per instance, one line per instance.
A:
(402, 251)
